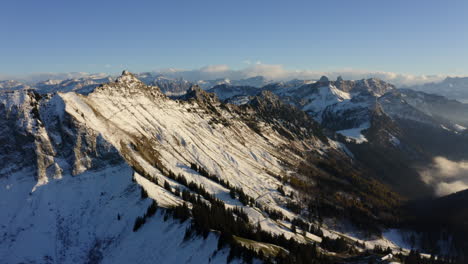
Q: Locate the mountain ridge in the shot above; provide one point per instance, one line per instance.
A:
(266, 159)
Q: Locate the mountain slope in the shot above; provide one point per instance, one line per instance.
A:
(454, 88)
(264, 172)
(68, 196)
(372, 116)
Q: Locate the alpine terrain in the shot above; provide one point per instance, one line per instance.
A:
(145, 168)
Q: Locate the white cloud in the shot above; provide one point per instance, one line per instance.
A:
(279, 72)
(253, 68)
(446, 176)
(42, 76)
(215, 68)
(446, 188)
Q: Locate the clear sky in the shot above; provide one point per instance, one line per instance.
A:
(411, 36)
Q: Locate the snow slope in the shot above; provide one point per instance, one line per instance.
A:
(179, 133)
(82, 151)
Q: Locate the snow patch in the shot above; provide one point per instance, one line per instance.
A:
(355, 134)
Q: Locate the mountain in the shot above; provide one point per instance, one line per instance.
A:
(257, 81)
(230, 93)
(438, 107)
(374, 119)
(88, 162)
(125, 174)
(455, 88)
(448, 212)
(169, 86)
(82, 85)
(13, 85)
(172, 87)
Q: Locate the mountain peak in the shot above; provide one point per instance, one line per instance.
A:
(127, 77)
(200, 95)
(128, 83)
(194, 88)
(324, 79)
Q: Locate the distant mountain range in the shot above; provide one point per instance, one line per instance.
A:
(452, 87)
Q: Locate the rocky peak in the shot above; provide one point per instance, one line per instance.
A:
(266, 99)
(324, 80)
(128, 84)
(197, 93)
(127, 77)
(285, 117)
(375, 87)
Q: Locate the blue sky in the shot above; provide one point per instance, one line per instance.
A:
(412, 36)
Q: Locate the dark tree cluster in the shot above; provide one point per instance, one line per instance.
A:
(316, 230)
(272, 213)
(138, 223)
(191, 186)
(209, 213)
(300, 223)
(414, 257)
(338, 245)
(167, 186)
(143, 194)
(152, 209)
(141, 220)
(341, 191)
(441, 219)
(241, 196)
(235, 193)
(307, 227)
(294, 207)
(234, 222)
(379, 250)
(281, 190)
(203, 172)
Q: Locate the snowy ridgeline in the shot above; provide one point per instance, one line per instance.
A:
(62, 218)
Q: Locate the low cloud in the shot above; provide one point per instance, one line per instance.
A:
(446, 176)
(278, 72)
(43, 76)
(275, 72)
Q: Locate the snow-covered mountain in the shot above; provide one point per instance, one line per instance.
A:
(80, 170)
(257, 81)
(225, 92)
(68, 172)
(347, 105)
(13, 85)
(324, 100)
(455, 88)
(82, 85)
(373, 110)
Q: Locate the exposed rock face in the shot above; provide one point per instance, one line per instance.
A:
(200, 95)
(269, 107)
(373, 86)
(16, 137)
(324, 80)
(37, 129)
(171, 87)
